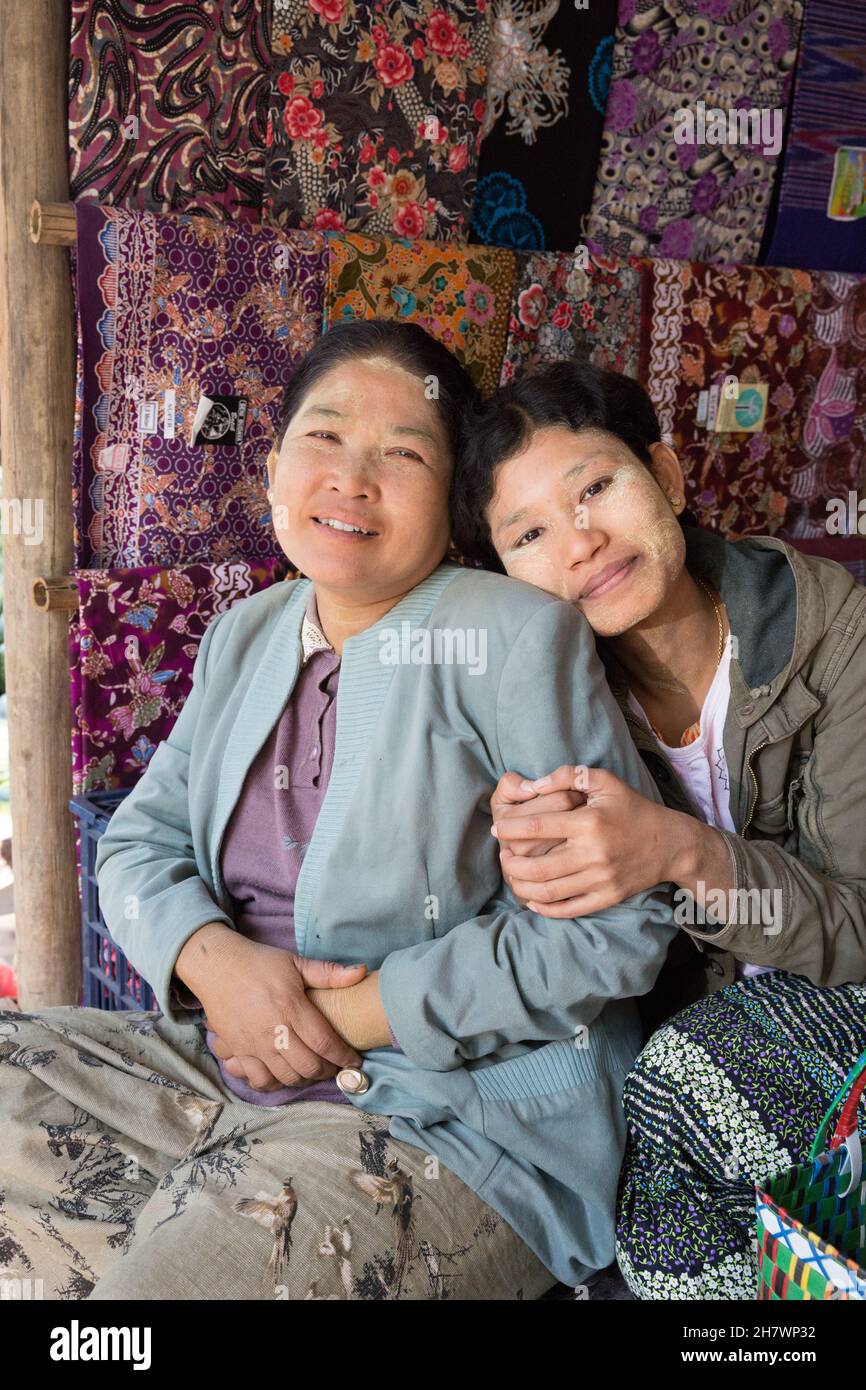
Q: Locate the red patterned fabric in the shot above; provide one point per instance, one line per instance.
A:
(559, 311)
(834, 401)
(701, 324)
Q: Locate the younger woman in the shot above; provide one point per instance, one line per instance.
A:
(740, 668)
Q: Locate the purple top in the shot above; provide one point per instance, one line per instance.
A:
(272, 823)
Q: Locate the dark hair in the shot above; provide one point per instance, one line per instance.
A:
(407, 344)
(574, 394)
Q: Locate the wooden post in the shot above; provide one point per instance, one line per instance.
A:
(37, 391)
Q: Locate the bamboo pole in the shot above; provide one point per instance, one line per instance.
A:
(37, 387)
(53, 224)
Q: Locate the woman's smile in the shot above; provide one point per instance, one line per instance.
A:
(342, 527)
(609, 578)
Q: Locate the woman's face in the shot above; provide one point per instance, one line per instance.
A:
(579, 515)
(367, 450)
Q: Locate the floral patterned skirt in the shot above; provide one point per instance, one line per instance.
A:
(129, 1171)
(728, 1092)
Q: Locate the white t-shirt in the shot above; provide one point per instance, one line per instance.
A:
(702, 766)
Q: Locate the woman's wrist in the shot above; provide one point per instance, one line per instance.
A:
(683, 848)
(356, 1013)
(201, 951)
(700, 860)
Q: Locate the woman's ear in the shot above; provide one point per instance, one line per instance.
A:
(271, 463)
(668, 473)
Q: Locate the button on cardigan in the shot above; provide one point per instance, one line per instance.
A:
(517, 1031)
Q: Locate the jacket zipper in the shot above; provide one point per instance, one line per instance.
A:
(753, 754)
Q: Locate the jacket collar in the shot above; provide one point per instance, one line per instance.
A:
(767, 587)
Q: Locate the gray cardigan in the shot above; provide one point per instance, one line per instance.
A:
(517, 1031)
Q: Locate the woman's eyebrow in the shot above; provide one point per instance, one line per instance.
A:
(573, 472)
(340, 415)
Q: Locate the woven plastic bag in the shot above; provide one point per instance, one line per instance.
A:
(811, 1218)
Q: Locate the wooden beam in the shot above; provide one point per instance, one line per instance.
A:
(37, 394)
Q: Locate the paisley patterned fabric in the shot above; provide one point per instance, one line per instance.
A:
(375, 115)
(828, 111)
(461, 295)
(172, 309)
(546, 95)
(729, 1092)
(702, 324)
(132, 647)
(691, 200)
(168, 105)
(834, 402)
(560, 311)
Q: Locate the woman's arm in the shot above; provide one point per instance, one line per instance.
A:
(509, 974)
(162, 915)
(611, 842)
(818, 919)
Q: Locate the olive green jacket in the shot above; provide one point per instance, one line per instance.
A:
(795, 743)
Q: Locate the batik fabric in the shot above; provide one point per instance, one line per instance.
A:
(661, 189)
(460, 295)
(175, 312)
(132, 646)
(168, 105)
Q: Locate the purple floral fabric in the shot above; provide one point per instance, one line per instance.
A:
(132, 647)
(171, 310)
(690, 201)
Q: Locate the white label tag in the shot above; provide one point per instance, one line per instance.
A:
(147, 417)
(113, 458)
(703, 398)
(712, 407)
(168, 414)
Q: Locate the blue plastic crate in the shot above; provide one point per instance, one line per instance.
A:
(108, 979)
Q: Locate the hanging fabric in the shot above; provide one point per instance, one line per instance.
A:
(833, 403)
(573, 306)
(189, 330)
(670, 182)
(724, 360)
(168, 105)
(375, 116)
(821, 218)
(132, 647)
(547, 90)
(461, 295)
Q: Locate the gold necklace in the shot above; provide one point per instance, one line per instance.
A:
(718, 612)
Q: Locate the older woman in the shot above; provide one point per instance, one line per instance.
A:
(408, 1086)
(740, 668)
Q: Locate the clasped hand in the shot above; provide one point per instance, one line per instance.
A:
(579, 840)
(267, 1031)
